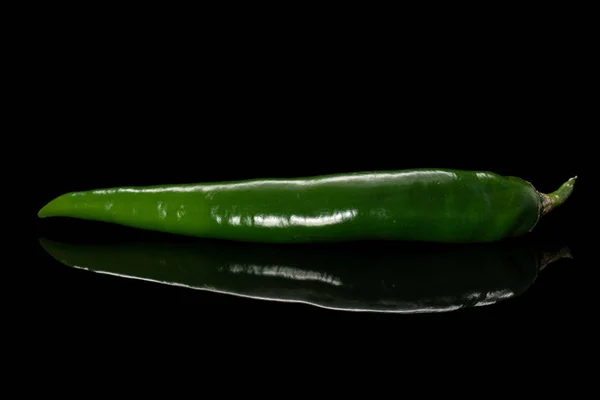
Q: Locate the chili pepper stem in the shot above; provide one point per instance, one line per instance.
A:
(557, 198)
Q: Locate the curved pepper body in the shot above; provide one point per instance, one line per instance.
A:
(437, 205)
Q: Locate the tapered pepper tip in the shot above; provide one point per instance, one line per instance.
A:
(52, 208)
(44, 212)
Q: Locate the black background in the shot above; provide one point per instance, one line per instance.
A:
(139, 110)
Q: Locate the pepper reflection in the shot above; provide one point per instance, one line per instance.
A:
(390, 277)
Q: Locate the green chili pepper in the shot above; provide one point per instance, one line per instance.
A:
(376, 276)
(437, 205)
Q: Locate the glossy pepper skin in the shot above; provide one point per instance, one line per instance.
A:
(375, 277)
(435, 205)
